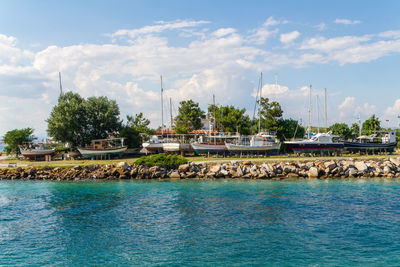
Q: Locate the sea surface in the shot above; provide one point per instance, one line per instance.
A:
(200, 223)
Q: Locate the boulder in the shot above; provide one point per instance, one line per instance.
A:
(313, 172)
(123, 165)
(247, 162)
(215, 168)
(183, 168)
(395, 161)
(361, 166)
(174, 174)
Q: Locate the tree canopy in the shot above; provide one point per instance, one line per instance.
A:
(341, 129)
(289, 128)
(371, 125)
(17, 137)
(189, 117)
(77, 121)
(134, 126)
(270, 113)
(230, 119)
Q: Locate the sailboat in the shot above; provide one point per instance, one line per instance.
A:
(317, 144)
(262, 142)
(155, 144)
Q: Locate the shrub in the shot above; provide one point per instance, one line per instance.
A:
(161, 160)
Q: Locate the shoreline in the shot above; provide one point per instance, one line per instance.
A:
(385, 167)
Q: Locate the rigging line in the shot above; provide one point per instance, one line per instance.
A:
(255, 106)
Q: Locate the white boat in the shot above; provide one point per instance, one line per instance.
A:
(154, 145)
(35, 151)
(321, 142)
(261, 143)
(208, 148)
(171, 147)
(103, 148)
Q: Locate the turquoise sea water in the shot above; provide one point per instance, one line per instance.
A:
(200, 223)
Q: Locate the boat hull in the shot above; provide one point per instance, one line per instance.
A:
(94, 153)
(208, 149)
(154, 147)
(364, 147)
(314, 147)
(171, 147)
(37, 153)
(270, 148)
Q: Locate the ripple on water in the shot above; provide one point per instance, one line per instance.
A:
(200, 223)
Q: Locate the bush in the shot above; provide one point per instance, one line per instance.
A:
(161, 160)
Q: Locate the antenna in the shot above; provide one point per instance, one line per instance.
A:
(59, 78)
(162, 109)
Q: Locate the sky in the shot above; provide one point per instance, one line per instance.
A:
(120, 49)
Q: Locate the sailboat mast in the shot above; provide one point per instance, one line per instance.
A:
(59, 78)
(326, 113)
(309, 115)
(215, 122)
(162, 108)
(318, 112)
(170, 110)
(259, 106)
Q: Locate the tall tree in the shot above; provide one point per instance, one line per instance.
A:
(289, 128)
(189, 117)
(68, 120)
(355, 129)
(102, 117)
(17, 137)
(230, 119)
(77, 121)
(371, 125)
(341, 129)
(133, 128)
(270, 113)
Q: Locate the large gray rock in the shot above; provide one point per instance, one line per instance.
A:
(361, 166)
(123, 165)
(313, 172)
(215, 168)
(395, 161)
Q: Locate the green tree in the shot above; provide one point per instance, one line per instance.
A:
(270, 113)
(371, 125)
(189, 117)
(139, 123)
(77, 121)
(133, 128)
(230, 119)
(17, 137)
(289, 128)
(102, 117)
(341, 129)
(355, 129)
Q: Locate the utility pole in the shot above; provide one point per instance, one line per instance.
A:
(170, 110)
(309, 114)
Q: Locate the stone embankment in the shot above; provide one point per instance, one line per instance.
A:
(388, 168)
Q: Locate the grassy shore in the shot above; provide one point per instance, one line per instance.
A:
(72, 163)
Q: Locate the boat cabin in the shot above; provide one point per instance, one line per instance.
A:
(324, 138)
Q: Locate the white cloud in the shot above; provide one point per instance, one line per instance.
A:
(289, 37)
(347, 103)
(159, 27)
(326, 45)
(347, 21)
(223, 31)
(321, 26)
(261, 34)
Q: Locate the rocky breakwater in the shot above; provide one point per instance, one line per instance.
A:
(342, 168)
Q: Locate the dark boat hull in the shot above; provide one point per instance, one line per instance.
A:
(364, 147)
(314, 147)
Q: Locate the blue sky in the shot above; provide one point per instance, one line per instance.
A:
(120, 48)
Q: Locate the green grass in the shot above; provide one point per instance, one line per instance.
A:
(73, 163)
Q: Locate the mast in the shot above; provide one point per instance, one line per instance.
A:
(309, 115)
(162, 109)
(259, 106)
(170, 110)
(318, 112)
(326, 113)
(59, 78)
(215, 123)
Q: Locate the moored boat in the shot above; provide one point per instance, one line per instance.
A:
(262, 143)
(372, 144)
(103, 148)
(318, 144)
(36, 151)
